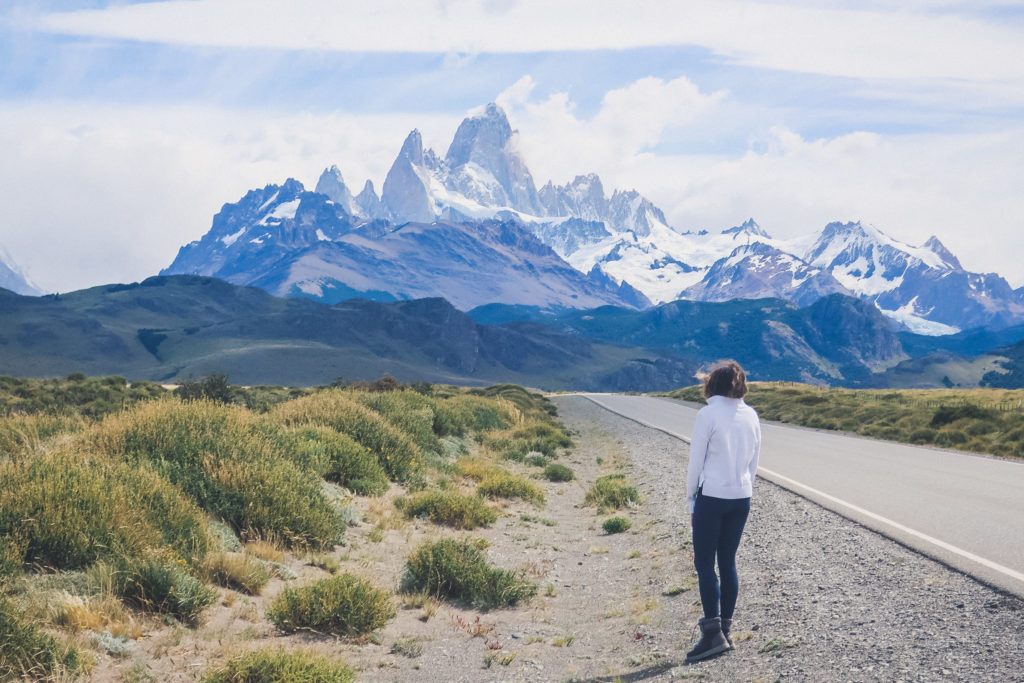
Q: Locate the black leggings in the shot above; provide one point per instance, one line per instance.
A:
(717, 527)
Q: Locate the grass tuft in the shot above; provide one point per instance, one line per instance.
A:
(448, 508)
(458, 570)
(611, 492)
(507, 485)
(616, 525)
(556, 472)
(341, 605)
(271, 665)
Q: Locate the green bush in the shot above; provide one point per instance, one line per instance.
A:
(23, 434)
(223, 458)
(611, 493)
(409, 411)
(556, 472)
(90, 397)
(27, 652)
(459, 571)
(280, 665)
(342, 460)
(66, 510)
(395, 451)
(342, 605)
(157, 585)
(948, 414)
(468, 413)
(950, 438)
(616, 525)
(448, 508)
(507, 485)
(922, 436)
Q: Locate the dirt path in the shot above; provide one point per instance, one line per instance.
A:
(831, 601)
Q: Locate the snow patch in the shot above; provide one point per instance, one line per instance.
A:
(228, 240)
(908, 315)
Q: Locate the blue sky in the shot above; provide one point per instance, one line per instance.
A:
(127, 125)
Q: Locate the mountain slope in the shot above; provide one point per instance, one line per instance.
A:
(169, 328)
(837, 340)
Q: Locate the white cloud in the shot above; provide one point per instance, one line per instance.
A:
(630, 122)
(95, 194)
(888, 41)
(955, 186)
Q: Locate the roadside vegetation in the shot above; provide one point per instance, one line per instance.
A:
(974, 420)
(123, 506)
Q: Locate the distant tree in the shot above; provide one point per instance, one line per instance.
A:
(213, 387)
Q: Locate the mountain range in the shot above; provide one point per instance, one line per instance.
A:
(473, 227)
(175, 327)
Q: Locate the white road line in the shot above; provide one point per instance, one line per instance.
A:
(792, 483)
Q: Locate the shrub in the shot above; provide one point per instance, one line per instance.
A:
(341, 604)
(28, 652)
(236, 570)
(507, 485)
(395, 452)
(948, 414)
(448, 508)
(950, 438)
(611, 492)
(409, 411)
(545, 437)
(213, 388)
(224, 459)
(556, 472)
(75, 395)
(476, 467)
(65, 510)
(616, 525)
(458, 570)
(343, 460)
(922, 436)
(468, 413)
(157, 585)
(533, 437)
(272, 665)
(22, 434)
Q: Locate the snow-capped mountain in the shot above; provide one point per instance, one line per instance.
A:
(568, 245)
(13, 279)
(292, 242)
(923, 287)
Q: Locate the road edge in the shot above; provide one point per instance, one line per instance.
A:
(990, 574)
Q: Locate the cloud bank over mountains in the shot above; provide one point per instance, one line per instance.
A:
(144, 117)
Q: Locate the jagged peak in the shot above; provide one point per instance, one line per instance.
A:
(368, 189)
(749, 227)
(412, 148)
(488, 130)
(934, 245)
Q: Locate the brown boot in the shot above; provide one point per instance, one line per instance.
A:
(711, 642)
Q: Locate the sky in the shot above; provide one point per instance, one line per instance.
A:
(126, 125)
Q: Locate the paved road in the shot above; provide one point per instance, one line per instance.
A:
(965, 510)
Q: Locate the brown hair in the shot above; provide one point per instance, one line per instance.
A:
(726, 379)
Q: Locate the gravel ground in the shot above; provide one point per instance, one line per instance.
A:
(822, 598)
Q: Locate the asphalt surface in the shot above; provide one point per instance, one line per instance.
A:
(964, 510)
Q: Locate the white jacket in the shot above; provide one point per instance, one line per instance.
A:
(724, 448)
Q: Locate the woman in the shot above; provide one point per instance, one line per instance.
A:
(724, 449)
